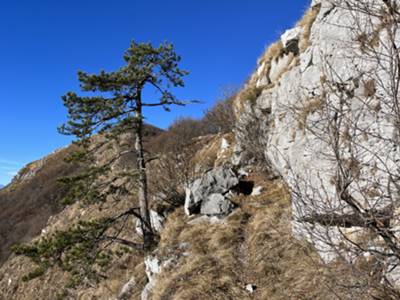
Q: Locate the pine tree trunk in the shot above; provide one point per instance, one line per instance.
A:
(148, 236)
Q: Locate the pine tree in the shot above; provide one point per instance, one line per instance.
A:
(119, 101)
(115, 106)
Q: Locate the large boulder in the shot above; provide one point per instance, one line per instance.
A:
(201, 194)
(216, 204)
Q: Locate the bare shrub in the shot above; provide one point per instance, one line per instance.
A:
(220, 118)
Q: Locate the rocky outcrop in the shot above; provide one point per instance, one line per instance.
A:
(155, 263)
(338, 73)
(208, 194)
(157, 222)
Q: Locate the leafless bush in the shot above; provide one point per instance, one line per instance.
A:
(172, 168)
(221, 118)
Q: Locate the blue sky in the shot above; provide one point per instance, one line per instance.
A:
(44, 43)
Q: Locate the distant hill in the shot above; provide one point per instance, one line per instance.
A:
(1, 186)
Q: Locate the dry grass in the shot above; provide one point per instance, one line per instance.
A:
(273, 52)
(311, 106)
(369, 88)
(210, 154)
(248, 94)
(307, 22)
(251, 94)
(255, 245)
(210, 270)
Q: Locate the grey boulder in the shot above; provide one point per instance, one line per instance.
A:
(216, 204)
(207, 193)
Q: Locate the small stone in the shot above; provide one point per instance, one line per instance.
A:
(147, 290)
(224, 144)
(184, 245)
(153, 266)
(251, 288)
(257, 191)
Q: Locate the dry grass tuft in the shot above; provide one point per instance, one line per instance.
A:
(310, 107)
(211, 154)
(251, 94)
(307, 22)
(369, 88)
(273, 52)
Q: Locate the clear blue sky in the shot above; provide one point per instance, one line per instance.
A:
(44, 43)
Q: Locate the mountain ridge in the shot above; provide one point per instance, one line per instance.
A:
(289, 228)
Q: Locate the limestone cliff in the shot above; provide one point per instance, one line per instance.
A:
(322, 107)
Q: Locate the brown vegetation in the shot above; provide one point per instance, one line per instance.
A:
(254, 246)
(307, 22)
(26, 205)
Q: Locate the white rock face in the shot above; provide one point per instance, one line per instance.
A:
(157, 223)
(224, 144)
(154, 265)
(295, 113)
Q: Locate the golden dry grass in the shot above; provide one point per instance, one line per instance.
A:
(273, 52)
(210, 154)
(255, 245)
(307, 22)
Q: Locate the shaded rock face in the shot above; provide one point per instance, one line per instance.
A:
(290, 39)
(208, 194)
(294, 112)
